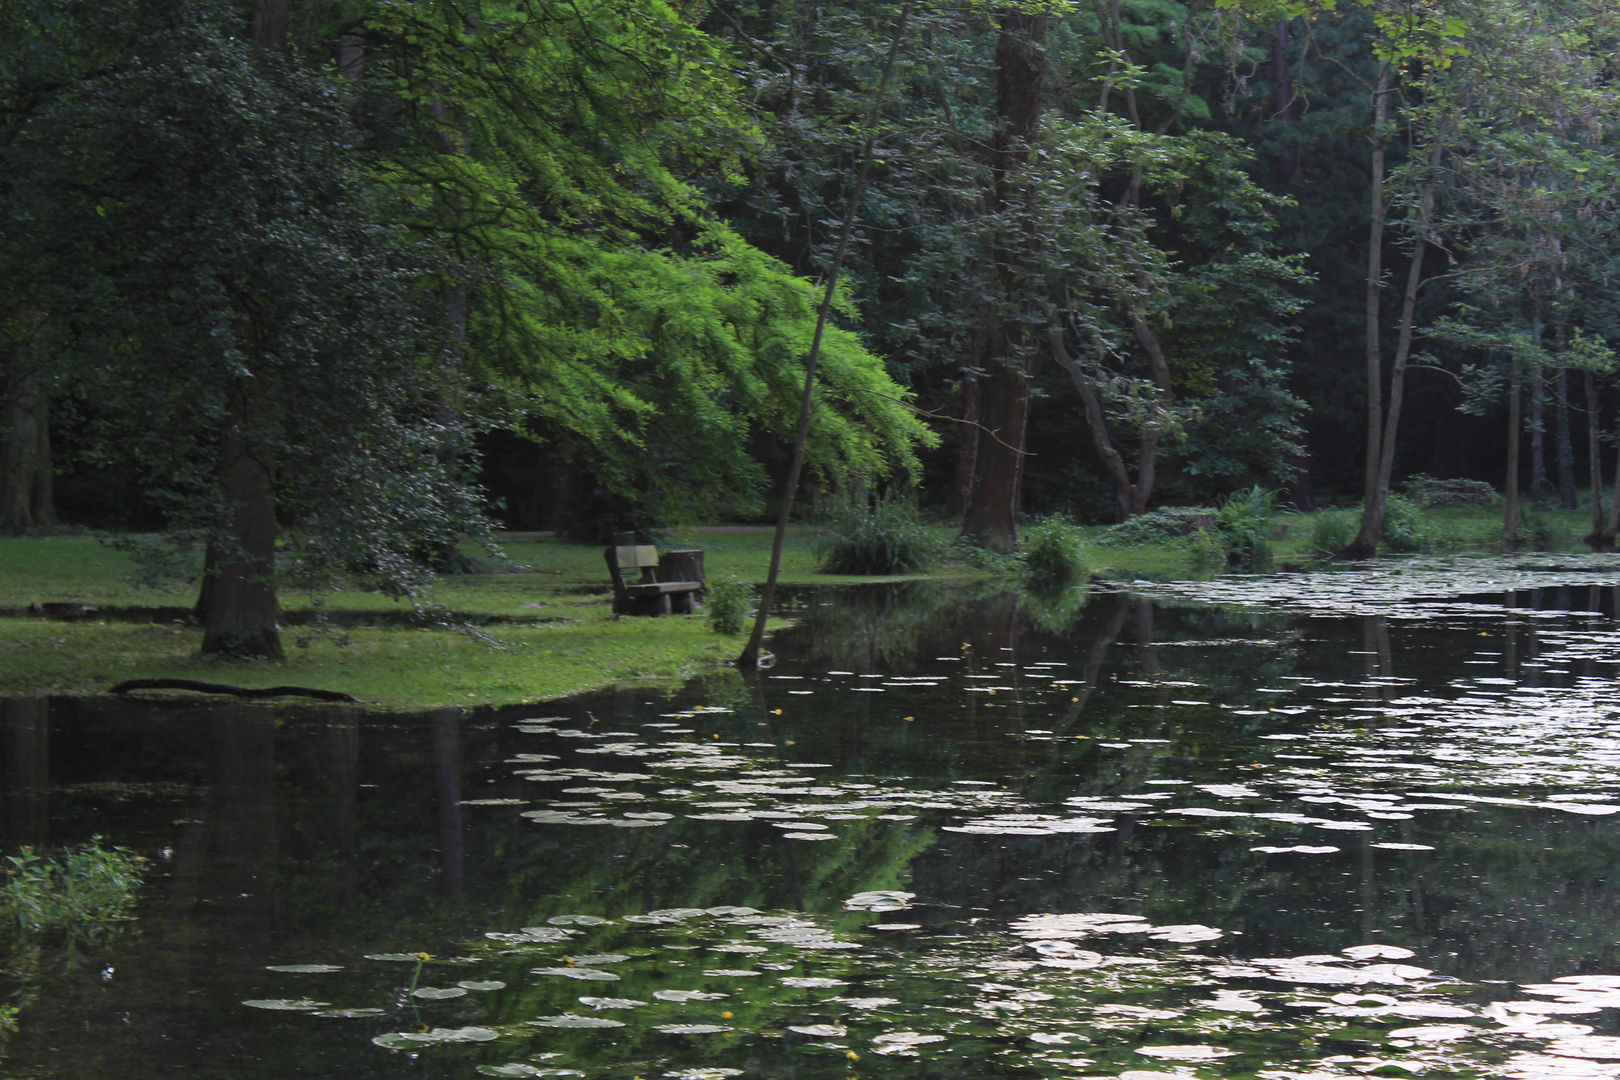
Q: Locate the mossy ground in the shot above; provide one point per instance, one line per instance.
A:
(546, 612)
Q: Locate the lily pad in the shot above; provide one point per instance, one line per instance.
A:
(586, 974)
(611, 1003)
(285, 1004)
(577, 920)
(691, 1029)
(347, 1013)
(820, 1030)
(812, 982)
(569, 1020)
(438, 993)
(687, 995)
(305, 969)
(481, 984)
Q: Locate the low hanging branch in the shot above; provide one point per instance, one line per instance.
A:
(236, 691)
(750, 654)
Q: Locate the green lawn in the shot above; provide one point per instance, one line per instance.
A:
(545, 616)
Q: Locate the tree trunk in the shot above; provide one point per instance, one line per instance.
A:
(1594, 458)
(25, 462)
(1510, 515)
(967, 448)
(1365, 545)
(1020, 85)
(1566, 440)
(269, 22)
(242, 610)
(1539, 487)
(1282, 105)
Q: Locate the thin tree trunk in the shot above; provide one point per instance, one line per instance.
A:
(967, 448)
(242, 609)
(1593, 457)
(20, 461)
(1365, 544)
(1566, 439)
(1510, 514)
(1538, 435)
(1097, 424)
(756, 639)
(269, 22)
(1282, 105)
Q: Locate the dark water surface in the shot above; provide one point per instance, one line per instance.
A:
(1312, 826)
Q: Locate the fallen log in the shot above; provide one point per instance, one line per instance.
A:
(239, 691)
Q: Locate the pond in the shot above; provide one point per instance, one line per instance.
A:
(1310, 826)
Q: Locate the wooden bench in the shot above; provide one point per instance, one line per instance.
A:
(636, 589)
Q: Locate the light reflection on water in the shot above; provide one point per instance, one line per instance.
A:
(1352, 827)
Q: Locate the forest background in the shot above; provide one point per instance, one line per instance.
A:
(342, 283)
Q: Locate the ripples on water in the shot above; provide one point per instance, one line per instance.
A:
(1306, 826)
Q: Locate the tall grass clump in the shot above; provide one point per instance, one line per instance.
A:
(1054, 554)
(1207, 552)
(1244, 521)
(887, 537)
(1405, 528)
(730, 602)
(1332, 531)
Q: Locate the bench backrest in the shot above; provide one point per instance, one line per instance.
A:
(633, 557)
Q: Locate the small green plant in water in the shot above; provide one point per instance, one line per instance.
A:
(730, 601)
(1405, 529)
(887, 537)
(1207, 552)
(1054, 555)
(1244, 521)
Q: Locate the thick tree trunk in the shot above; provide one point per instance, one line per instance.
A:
(992, 517)
(26, 499)
(269, 22)
(242, 609)
(1282, 105)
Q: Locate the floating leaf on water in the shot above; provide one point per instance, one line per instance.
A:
(880, 900)
(895, 926)
(812, 982)
(686, 995)
(600, 958)
(1232, 1001)
(676, 913)
(481, 984)
(820, 1030)
(588, 974)
(729, 973)
(1591, 1047)
(1056, 1038)
(738, 948)
(516, 1068)
(399, 957)
(1437, 1032)
(286, 1004)
(702, 1074)
(691, 1029)
(1190, 1052)
(438, 993)
(569, 1020)
(1185, 934)
(865, 1004)
(731, 909)
(1404, 847)
(305, 969)
(401, 1040)
(1080, 925)
(903, 1043)
(1377, 952)
(611, 1003)
(809, 836)
(1302, 849)
(500, 802)
(577, 920)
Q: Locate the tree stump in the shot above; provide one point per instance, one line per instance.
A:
(683, 565)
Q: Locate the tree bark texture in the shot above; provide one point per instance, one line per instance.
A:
(1566, 440)
(1510, 488)
(1594, 458)
(26, 499)
(992, 517)
(967, 446)
(269, 22)
(242, 612)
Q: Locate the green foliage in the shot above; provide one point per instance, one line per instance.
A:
(1332, 531)
(1540, 530)
(730, 603)
(1160, 526)
(1405, 527)
(1207, 552)
(888, 536)
(70, 899)
(1426, 490)
(1053, 553)
(1244, 521)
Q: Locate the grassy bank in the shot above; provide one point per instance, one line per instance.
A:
(544, 616)
(546, 612)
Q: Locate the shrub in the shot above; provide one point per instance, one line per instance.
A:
(1054, 554)
(1332, 531)
(730, 601)
(1160, 526)
(1405, 529)
(1540, 530)
(889, 537)
(1245, 524)
(1425, 490)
